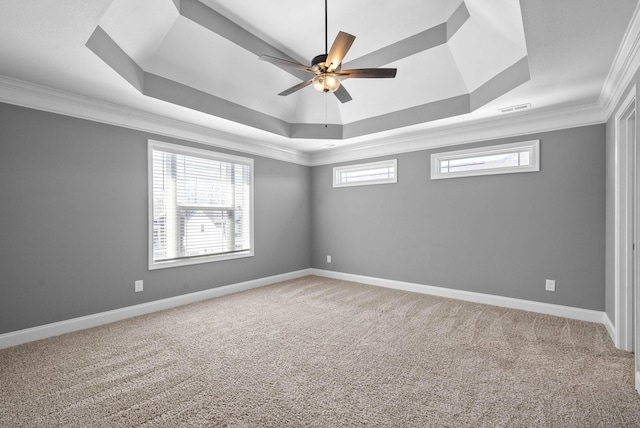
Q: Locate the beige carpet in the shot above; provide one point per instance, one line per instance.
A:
(315, 352)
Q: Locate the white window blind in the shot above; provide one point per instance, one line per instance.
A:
(501, 159)
(366, 173)
(200, 206)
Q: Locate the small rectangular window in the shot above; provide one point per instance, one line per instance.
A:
(363, 174)
(501, 159)
(200, 206)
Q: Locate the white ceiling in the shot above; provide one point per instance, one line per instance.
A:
(553, 54)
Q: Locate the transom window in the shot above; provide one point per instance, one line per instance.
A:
(200, 206)
(366, 173)
(501, 159)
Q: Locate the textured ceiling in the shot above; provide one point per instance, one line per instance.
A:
(197, 61)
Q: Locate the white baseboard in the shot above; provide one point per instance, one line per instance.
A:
(489, 299)
(54, 329)
(81, 323)
(610, 327)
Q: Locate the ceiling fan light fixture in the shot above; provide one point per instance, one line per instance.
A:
(327, 67)
(326, 82)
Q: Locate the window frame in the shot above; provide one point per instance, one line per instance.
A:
(338, 170)
(202, 153)
(533, 146)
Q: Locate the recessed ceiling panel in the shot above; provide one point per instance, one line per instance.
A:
(203, 60)
(443, 51)
(311, 107)
(297, 27)
(423, 78)
(490, 41)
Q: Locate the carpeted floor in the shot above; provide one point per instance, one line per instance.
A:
(316, 352)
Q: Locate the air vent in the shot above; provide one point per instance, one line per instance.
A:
(515, 108)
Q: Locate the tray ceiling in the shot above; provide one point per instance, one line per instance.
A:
(195, 62)
(462, 56)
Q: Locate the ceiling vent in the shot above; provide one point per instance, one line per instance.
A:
(515, 108)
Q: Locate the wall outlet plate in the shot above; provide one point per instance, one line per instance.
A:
(138, 286)
(550, 285)
(328, 259)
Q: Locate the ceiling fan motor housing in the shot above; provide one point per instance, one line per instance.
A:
(319, 61)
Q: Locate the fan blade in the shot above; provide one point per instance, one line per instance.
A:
(285, 63)
(297, 87)
(339, 49)
(369, 73)
(342, 94)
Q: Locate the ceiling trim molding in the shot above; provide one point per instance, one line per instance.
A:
(624, 67)
(515, 125)
(38, 97)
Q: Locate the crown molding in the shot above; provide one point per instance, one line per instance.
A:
(624, 67)
(38, 97)
(25, 94)
(515, 124)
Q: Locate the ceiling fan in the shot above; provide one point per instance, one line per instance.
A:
(327, 67)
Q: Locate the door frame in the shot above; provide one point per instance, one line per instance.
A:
(624, 220)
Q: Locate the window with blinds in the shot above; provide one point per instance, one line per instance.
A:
(366, 173)
(200, 206)
(501, 159)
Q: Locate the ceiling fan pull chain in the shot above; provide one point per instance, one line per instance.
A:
(326, 115)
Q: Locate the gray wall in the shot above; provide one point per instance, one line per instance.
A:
(74, 223)
(73, 210)
(500, 234)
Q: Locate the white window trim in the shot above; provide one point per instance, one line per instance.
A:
(532, 145)
(190, 151)
(363, 167)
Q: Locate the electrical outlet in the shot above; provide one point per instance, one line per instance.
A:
(550, 285)
(328, 259)
(138, 286)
